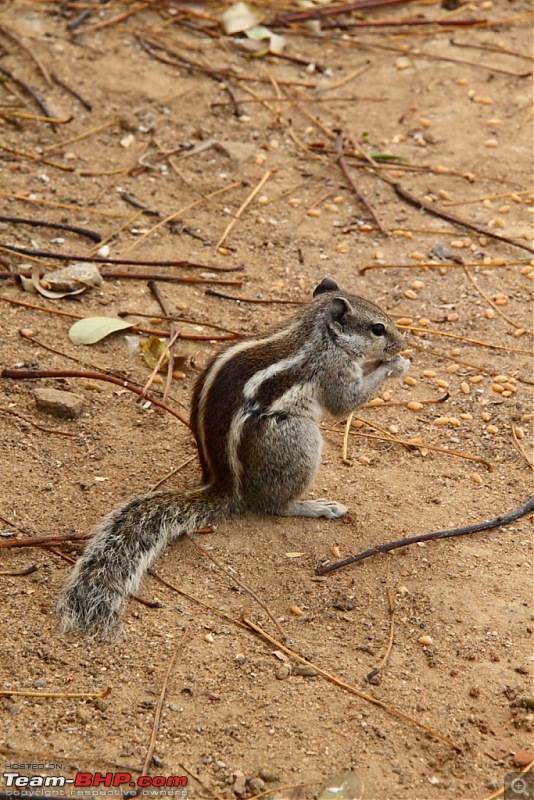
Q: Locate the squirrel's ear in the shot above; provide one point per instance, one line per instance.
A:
(326, 285)
(339, 308)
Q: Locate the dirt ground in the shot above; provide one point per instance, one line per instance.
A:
(452, 103)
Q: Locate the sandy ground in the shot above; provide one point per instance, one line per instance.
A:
(453, 105)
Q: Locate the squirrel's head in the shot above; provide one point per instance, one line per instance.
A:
(356, 325)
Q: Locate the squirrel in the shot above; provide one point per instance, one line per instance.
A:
(255, 414)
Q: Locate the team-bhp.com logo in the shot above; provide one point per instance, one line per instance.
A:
(93, 780)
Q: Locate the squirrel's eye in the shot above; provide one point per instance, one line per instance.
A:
(378, 329)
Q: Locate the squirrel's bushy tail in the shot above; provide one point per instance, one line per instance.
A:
(123, 547)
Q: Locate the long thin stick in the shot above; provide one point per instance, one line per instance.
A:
(498, 522)
(32, 374)
(243, 206)
(354, 186)
(440, 212)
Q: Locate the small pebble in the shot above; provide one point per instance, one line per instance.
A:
(522, 758)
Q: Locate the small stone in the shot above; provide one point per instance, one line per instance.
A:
(305, 671)
(240, 784)
(57, 403)
(39, 683)
(343, 602)
(83, 715)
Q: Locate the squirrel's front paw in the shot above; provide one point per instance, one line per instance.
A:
(397, 367)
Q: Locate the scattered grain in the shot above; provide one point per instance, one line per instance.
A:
(395, 429)
(424, 322)
(342, 247)
(476, 378)
(475, 477)
(376, 401)
(483, 101)
(425, 640)
(417, 285)
(417, 256)
(452, 368)
(409, 381)
(498, 388)
(442, 384)
(454, 317)
(466, 415)
(336, 552)
(486, 416)
(294, 201)
(489, 313)
(464, 388)
(296, 610)
(492, 429)
(429, 373)
(405, 321)
(491, 143)
(314, 212)
(410, 294)
(415, 406)
(444, 194)
(519, 432)
(500, 378)
(441, 421)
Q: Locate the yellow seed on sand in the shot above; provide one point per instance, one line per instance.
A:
(395, 429)
(489, 313)
(405, 321)
(492, 429)
(476, 478)
(425, 640)
(452, 368)
(498, 388)
(519, 432)
(466, 415)
(506, 393)
(417, 285)
(442, 384)
(476, 378)
(441, 421)
(342, 247)
(410, 294)
(424, 322)
(294, 201)
(491, 143)
(486, 416)
(415, 406)
(444, 194)
(336, 552)
(500, 378)
(376, 401)
(429, 373)
(483, 101)
(454, 317)
(296, 610)
(314, 212)
(464, 388)
(409, 381)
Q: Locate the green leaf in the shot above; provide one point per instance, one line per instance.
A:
(93, 329)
